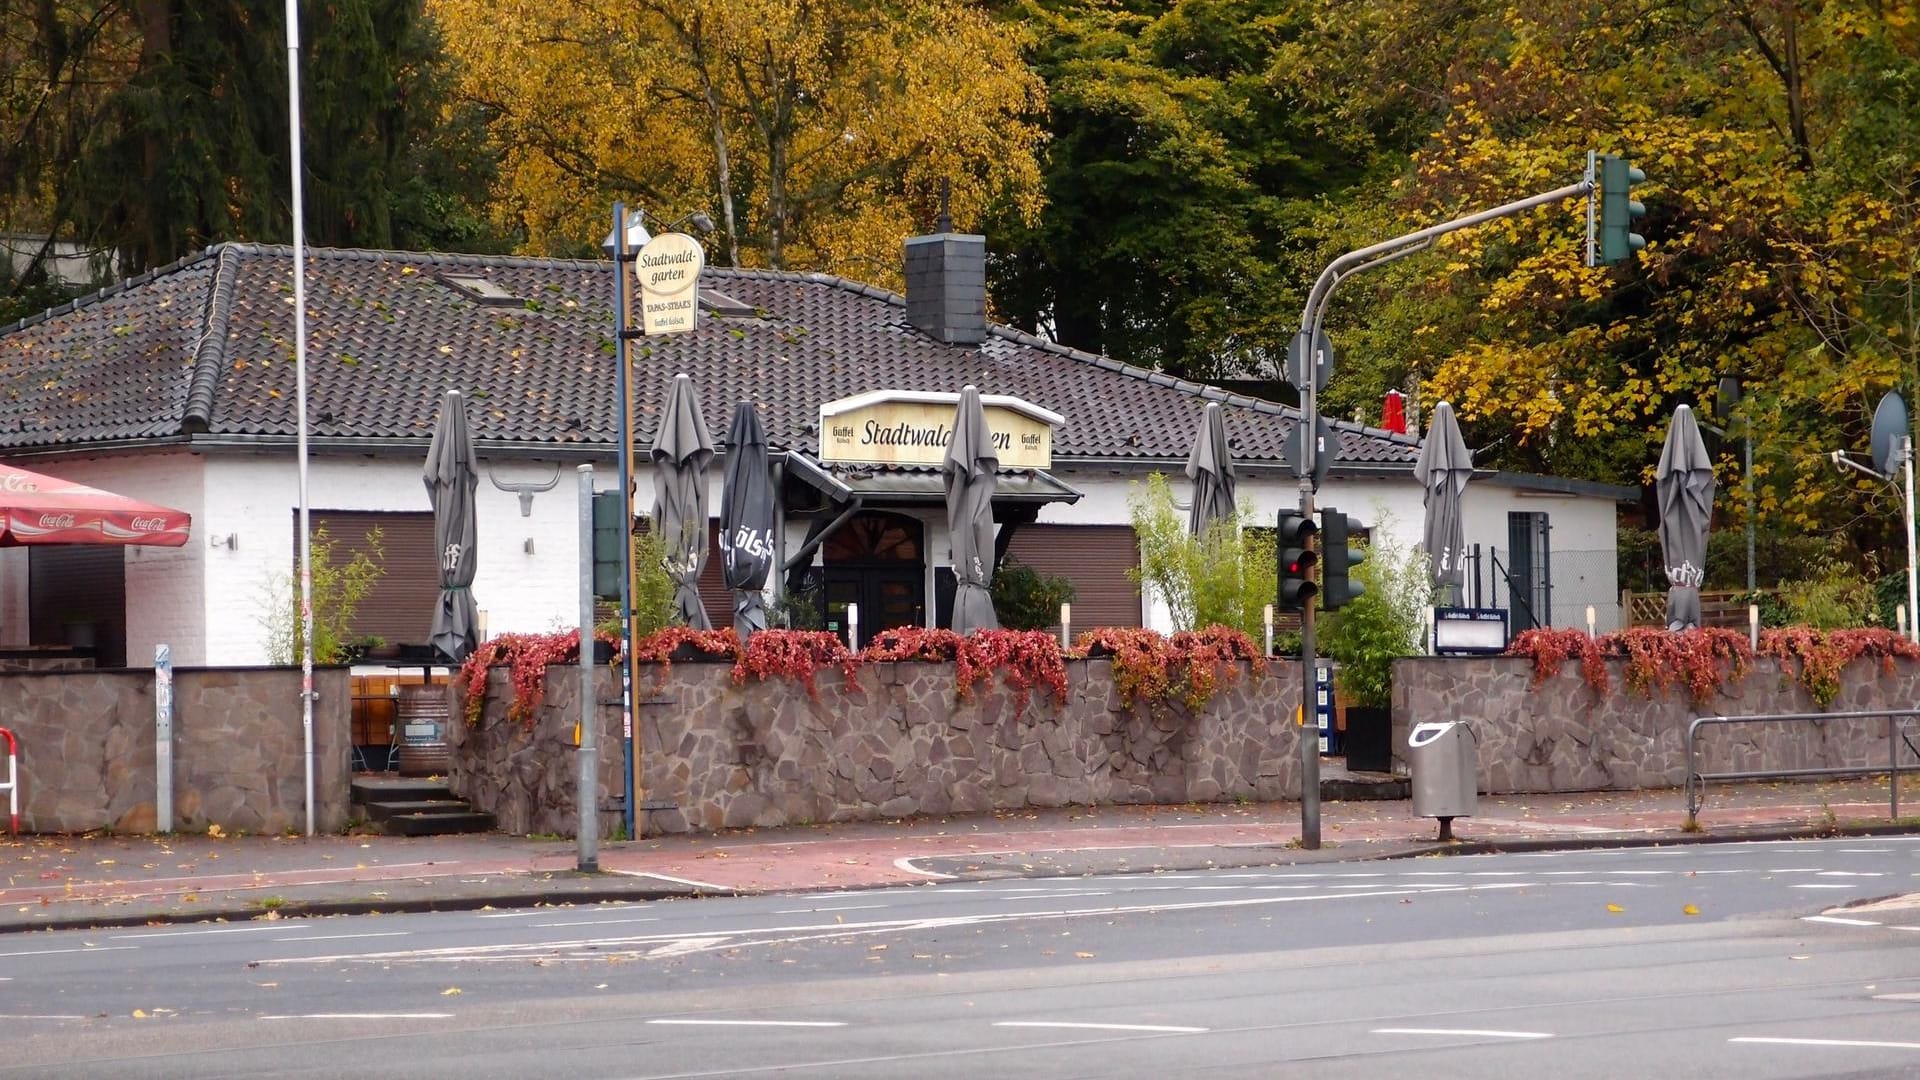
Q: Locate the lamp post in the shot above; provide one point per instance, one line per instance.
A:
(1724, 404)
(300, 403)
(622, 245)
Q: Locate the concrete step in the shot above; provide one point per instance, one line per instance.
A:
(382, 810)
(1364, 787)
(437, 823)
(372, 789)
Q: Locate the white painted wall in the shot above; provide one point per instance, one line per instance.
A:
(255, 498)
(164, 585)
(211, 603)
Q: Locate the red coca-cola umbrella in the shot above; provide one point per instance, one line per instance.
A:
(36, 509)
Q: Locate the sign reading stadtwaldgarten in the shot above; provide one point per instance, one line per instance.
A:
(669, 271)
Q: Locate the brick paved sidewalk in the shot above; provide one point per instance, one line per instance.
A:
(97, 880)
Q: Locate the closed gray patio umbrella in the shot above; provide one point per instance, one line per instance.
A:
(1443, 469)
(746, 520)
(1684, 483)
(969, 468)
(452, 475)
(682, 449)
(1210, 467)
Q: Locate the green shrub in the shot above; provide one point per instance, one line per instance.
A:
(1026, 599)
(337, 588)
(1835, 598)
(653, 586)
(1225, 578)
(1382, 624)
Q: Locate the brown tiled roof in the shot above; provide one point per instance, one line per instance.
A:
(205, 346)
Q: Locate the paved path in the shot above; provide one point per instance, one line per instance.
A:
(61, 881)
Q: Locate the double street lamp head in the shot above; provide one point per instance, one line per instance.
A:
(638, 236)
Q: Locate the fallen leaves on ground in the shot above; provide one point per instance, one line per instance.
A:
(451, 991)
(1689, 910)
(1615, 909)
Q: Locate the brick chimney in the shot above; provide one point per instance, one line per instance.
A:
(947, 284)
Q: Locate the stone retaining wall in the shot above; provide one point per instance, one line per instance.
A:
(1560, 736)
(765, 753)
(87, 749)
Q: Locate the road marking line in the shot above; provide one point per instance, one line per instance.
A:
(273, 927)
(676, 880)
(905, 862)
(1914, 928)
(844, 907)
(1477, 1032)
(359, 1016)
(40, 1016)
(1169, 1029)
(589, 922)
(755, 1023)
(52, 952)
(1825, 885)
(688, 945)
(343, 937)
(1867, 850)
(1837, 921)
(1850, 873)
(1868, 1043)
(1896, 997)
(1641, 872)
(682, 943)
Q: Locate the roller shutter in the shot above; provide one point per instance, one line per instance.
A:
(76, 595)
(1096, 559)
(399, 608)
(715, 597)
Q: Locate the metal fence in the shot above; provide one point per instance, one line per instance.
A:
(1696, 780)
(1556, 593)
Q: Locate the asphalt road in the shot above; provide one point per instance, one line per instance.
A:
(1697, 960)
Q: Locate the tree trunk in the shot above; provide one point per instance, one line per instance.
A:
(156, 50)
(723, 169)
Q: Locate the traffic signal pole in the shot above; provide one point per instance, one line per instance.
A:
(1346, 266)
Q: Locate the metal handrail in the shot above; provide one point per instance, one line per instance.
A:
(1696, 781)
(13, 779)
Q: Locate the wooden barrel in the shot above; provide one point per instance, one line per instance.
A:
(423, 714)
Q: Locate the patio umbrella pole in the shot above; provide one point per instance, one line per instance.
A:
(300, 398)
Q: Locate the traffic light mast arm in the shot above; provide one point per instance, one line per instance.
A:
(1386, 251)
(1345, 266)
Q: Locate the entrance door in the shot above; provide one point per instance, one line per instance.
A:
(875, 561)
(1529, 575)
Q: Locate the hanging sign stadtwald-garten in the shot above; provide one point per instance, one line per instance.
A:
(669, 271)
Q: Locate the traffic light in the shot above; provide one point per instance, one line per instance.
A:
(1295, 544)
(607, 537)
(1618, 209)
(1339, 557)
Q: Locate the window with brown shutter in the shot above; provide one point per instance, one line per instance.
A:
(1096, 559)
(77, 595)
(399, 608)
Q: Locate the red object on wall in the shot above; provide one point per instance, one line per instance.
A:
(1393, 414)
(36, 509)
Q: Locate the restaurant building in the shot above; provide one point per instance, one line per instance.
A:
(178, 387)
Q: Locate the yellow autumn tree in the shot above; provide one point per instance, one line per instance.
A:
(816, 133)
(1784, 206)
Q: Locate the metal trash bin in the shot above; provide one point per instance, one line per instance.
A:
(1443, 760)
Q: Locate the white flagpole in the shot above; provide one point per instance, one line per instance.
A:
(300, 397)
